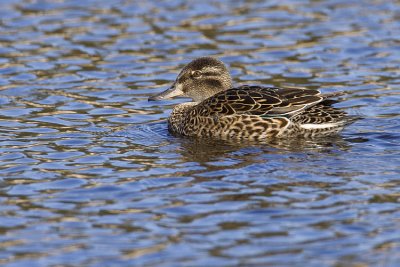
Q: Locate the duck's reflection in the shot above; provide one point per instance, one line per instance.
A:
(208, 150)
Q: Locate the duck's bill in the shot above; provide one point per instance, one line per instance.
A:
(172, 92)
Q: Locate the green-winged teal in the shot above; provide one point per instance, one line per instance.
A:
(246, 112)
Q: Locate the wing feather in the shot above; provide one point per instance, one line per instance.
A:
(261, 101)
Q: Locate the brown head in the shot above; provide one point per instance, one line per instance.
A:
(198, 80)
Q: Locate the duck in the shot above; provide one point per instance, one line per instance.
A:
(252, 112)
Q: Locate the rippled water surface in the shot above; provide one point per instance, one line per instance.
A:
(90, 176)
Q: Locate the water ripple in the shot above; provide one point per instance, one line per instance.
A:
(90, 176)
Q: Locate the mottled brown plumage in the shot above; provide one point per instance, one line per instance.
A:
(247, 112)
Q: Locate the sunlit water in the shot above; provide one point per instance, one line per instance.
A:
(90, 175)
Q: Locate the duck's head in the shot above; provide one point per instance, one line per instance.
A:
(198, 80)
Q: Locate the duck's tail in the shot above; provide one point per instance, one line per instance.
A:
(323, 119)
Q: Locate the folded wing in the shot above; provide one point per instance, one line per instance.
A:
(261, 101)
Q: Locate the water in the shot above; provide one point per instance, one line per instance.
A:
(90, 175)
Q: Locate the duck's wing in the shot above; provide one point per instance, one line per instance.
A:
(261, 101)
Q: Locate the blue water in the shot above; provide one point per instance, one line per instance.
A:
(90, 176)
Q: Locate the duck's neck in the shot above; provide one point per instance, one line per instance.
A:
(181, 109)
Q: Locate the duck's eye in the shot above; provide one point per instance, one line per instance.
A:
(196, 74)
